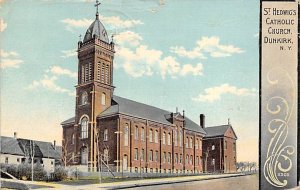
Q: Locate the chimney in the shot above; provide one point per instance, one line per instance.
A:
(15, 135)
(54, 144)
(202, 120)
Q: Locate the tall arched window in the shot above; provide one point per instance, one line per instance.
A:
(156, 136)
(180, 138)
(84, 98)
(102, 72)
(103, 99)
(84, 127)
(105, 136)
(126, 135)
(151, 135)
(164, 138)
(191, 142)
(84, 156)
(73, 138)
(106, 74)
(169, 139)
(175, 137)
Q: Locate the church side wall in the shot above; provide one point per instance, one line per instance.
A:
(111, 124)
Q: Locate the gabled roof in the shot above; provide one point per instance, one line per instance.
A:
(10, 145)
(48, 150)
(217, 131)
(41, 149)
(21, 147)
(68, 121)
(133, 108)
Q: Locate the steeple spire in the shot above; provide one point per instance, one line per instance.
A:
(97, 5)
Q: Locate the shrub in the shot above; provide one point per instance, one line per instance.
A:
(59, 174)
(12, 170)
(24, 171)
(39, 173)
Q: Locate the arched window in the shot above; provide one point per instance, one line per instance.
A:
(98, 71)
(126, 135)
(103, 99)
(136, 133)
(143, 134)
(164, 138)
(151, 135)
(175, 137)
(84, 156)
(125, 164)
(106, 74)
(73, 138)
(102, 72)
(180, 138)
(169, 139)
(191, 142)
(84, 98)
(84, 127)
(187, 142)
(156, 136)
(105, 136)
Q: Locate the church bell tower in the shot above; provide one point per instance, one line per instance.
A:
(95, 88)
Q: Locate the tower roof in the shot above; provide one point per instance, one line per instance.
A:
(97, 29)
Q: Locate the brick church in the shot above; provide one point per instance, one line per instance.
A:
(128, 136)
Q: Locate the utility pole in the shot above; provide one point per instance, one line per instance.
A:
(118, 154)
(32, 157)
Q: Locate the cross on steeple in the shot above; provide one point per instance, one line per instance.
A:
(97, 5)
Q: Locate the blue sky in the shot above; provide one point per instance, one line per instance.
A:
(199, 56)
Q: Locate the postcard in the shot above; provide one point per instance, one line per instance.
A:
(164, 94)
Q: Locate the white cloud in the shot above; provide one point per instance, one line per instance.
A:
(117, 22)
(182, 52)
(194, 70)
(49, 83)
(9, 59)
(10, 63)
(139, 62)
(128, 38)
(145, 62)
(214, 93)
(114, 21)
(61, 71)
(69, 53)
(77, 23)
(207, 45)
(8, 54)
(3, 25)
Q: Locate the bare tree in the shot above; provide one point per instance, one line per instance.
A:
(240, 166)
(206, 154)
(32, 157)
(67, 156)
(29, 150)
(102, 158)
(252, 165)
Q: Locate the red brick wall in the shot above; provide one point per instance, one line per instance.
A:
(120, 121)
